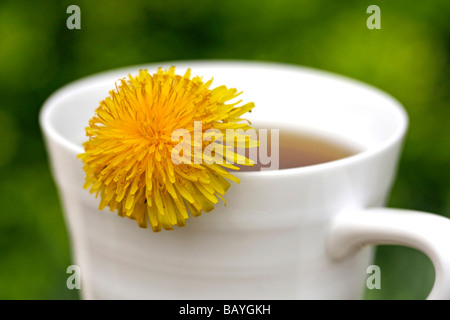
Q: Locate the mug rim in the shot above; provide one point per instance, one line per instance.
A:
(51, 103)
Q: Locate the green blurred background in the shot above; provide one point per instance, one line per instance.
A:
(407, 57)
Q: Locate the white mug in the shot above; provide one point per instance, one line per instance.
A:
(298, 233)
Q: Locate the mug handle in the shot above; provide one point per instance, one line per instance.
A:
(427, 232)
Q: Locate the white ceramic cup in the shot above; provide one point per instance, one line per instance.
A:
(300, 233)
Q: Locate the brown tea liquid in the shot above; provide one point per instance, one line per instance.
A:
(300, 149)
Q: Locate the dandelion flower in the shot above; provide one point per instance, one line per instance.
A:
(128, 154)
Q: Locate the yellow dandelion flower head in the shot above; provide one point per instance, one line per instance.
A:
(128, 158)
